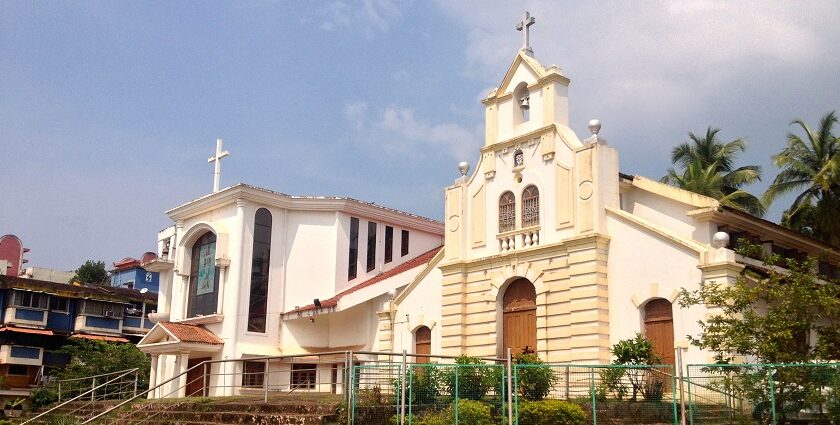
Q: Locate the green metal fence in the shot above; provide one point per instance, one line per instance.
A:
(605, 393)
(388, 393)
(763, 393)
(438, 393)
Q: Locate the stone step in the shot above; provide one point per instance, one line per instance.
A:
(191, 418)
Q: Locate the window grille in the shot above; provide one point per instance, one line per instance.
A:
(530, 206)
(507, 212)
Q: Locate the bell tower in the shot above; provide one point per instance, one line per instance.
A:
(533, 211)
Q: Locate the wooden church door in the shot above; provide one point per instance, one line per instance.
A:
(659, 329)
(519, 312)
(423, 343)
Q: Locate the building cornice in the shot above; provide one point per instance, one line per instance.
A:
(246, 193)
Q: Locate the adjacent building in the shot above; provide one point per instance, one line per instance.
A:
(38, 317)
(128, 273)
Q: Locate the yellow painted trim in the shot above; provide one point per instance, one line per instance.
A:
(675, 193)
(664, 233)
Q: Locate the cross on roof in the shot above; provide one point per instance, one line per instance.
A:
(217, 158)
(524, 26)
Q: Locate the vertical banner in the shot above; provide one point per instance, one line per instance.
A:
(206, 269)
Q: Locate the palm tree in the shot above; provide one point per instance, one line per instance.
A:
(811, 166)
(707, 168)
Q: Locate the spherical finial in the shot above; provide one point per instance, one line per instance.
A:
(594, 126)
(720, 240)
(464, 167)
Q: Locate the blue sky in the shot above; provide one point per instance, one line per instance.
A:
(109, 110)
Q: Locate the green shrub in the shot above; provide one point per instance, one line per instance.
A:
(474, 413)
(536, 380)
(611, 383)
(470, 412)
(554, 412)
(43, 397)
(424, 385)
(474, 378)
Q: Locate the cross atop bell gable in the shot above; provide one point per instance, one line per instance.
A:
(524, 25)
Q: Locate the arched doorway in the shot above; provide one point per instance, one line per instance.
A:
(659, 328)
(519, 314)
(423, 343)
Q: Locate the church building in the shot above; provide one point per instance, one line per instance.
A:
(545, 246)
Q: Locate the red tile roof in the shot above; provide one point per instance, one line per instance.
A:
(408, 265)
(27, 330)
(100, 337)
(191, 333)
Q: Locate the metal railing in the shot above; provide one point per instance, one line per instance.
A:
(259, 377)
(764, 393)
(107, 386)
(405, 388)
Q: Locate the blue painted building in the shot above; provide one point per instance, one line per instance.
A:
(38, 317)
(129, 273)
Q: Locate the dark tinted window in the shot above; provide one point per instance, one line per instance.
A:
(389, 244)
(260, 261)
(354, 248)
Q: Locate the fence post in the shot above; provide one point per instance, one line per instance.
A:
(682, 391)
(136, 378)
(592, 394)
(403, 375)
(351, 408)
(204, 390)
(772, 395)
(567, 383)
(93, 389)
(59, 391)
(510, 389)
(265, 382)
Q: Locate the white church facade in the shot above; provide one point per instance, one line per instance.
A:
(544, 246)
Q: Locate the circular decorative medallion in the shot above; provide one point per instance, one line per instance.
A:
(454, 223)
(585, 190)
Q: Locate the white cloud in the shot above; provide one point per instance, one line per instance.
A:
(370, 17)
(397, 130)
(356, 114)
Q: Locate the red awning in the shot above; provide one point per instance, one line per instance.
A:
(100, 337)
(27, 331)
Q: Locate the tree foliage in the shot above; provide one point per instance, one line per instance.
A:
(91, 272)
(706, 166)
(811, 169)
(768, 314)
(88, 358)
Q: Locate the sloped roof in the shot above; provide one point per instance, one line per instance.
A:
(408, 265)
(100, 337)
(99, 292)
(191, 333)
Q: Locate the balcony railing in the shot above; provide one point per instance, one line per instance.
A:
(519, 239)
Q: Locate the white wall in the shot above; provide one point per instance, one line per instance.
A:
(421, 307)
(643, 266)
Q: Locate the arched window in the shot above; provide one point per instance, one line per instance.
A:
(507, 212)
(530, 206)
(260, 261)
(204, 277)
(423, 343)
